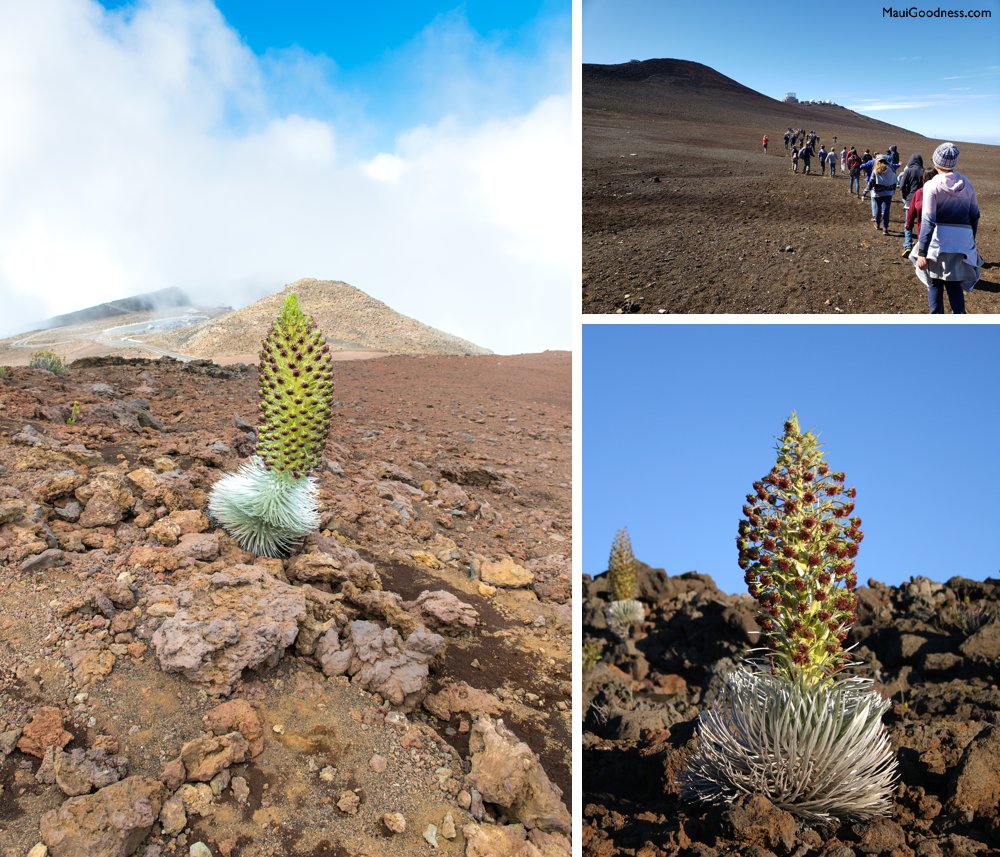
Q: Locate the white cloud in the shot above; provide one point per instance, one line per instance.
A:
(121, 172)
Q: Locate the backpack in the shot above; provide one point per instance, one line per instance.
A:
(886, 180)
(804, 152)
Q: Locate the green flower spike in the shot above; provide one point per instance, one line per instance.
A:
(269, 504)
(785, 724)
(625, 610)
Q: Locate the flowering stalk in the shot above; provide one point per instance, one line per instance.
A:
(625, 610)
(270, 503)
(797, 543)
(786, 726)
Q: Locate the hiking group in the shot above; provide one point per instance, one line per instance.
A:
(940, 208)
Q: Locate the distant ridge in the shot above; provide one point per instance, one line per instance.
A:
(680, 72)
(148, 301)
(688, 89)
(350, 319)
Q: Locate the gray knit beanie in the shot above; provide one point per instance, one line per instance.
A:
(946, 156)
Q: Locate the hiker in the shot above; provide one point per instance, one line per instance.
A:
(822, 160)
(915, 211)
(765, 144)
(843, 160)
(910, 180)
(795, 160)
(831, 162)
(946, 257)
(854, 166)
(893, 154)
(867, 167)
(787, 138)
(881, 185)
(805, 154)
(835, 141)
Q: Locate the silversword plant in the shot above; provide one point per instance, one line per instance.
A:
(788, 724)
(625, 610)
(271, 502)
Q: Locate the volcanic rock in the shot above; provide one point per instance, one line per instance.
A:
(505, 572)
(112, 822)
(380, 660)
(443, 611)
(506, 773)
(44, 730)
(231, 620)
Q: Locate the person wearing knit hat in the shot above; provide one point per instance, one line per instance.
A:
(945, 257)
(946, 156)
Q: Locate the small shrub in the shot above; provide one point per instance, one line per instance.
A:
(592, 650)
(74, 414)
(3, 371)
(48, 360)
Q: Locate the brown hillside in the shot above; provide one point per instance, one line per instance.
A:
(350, 319)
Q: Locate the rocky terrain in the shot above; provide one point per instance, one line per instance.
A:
(682, 211)
(350, 319)
(399, 686)
(932, 649)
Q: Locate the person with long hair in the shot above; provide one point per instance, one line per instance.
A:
(881, 185)
(946, 258)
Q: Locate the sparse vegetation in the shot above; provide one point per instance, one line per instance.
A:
(48, 360)
(592, 650)
(785, 725)
(74, 414)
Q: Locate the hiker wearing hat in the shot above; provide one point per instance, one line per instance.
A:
(881, 185)
(946, 258)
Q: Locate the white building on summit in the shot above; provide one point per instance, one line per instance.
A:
(790, 98)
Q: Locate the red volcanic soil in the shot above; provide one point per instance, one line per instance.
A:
(683, 213)
(436, 471)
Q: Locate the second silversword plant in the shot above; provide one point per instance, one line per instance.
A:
(789, 723)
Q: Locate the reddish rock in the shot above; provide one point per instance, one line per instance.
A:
(45, 729)
(756, 821)
(112, 822)
(204, 757)
(977, 784)
(443, 611)
(240, 716)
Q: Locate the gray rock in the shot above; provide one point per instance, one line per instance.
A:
(378, 659)
(232, 620)
(443, 611)
(40, 562)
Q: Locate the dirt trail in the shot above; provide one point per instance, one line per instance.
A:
(683, 213)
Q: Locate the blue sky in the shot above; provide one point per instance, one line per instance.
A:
(679, 420)
(938, 77)
(422, 152)
(384, 67)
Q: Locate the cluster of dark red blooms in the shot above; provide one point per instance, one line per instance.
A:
(296, 396)
(797, 544)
